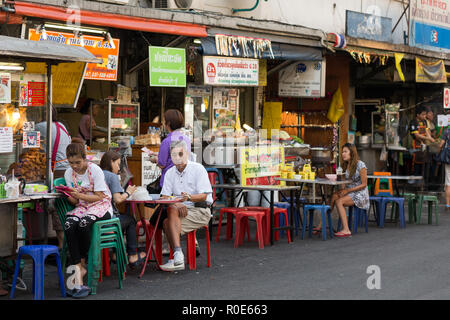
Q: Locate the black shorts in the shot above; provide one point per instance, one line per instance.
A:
(162, 212)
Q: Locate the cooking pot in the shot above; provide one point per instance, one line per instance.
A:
(320, 153)
(364, 140)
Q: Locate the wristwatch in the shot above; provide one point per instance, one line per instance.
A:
(189, 197)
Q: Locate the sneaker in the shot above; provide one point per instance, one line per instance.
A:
(178, 258)
(170, 266)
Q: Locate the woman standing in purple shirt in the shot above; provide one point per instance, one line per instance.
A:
(173, 121)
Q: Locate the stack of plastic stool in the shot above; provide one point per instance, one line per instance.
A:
(106, 234)
(324, 210)
(38, 253)
(431, 200)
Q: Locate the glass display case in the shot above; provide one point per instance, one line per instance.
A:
(123, 120)
(378, 129)
(392, 124)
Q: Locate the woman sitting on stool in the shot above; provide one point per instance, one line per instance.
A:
(354, 194)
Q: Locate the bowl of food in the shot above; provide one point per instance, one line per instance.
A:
(332, 177)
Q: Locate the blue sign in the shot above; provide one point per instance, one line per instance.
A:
(430, 37)
(368, 26)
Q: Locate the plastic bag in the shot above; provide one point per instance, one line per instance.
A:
(141, 194)
(336, 109)
(383, 154)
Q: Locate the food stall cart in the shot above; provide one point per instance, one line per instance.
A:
(63, 67)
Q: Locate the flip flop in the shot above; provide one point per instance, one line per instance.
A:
(316, 231)
(343, 235)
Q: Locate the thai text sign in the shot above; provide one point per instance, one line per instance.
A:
(261, 165)
(430, 24)
(224, 71)
(107, 70)
(167, 67)
(302, 79)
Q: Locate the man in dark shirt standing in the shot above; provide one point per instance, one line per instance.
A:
(420, 134)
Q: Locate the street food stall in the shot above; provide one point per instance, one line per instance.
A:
(35, 76)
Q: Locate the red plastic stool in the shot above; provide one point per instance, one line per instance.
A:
(230, 211)
(105, 264)
(276, 213)
(242, 218)
(191, 257)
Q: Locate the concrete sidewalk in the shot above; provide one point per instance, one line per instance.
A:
(414, 263)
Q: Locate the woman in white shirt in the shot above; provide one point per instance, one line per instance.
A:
(92, 200)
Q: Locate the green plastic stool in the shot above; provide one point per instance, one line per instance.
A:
(431, 199)
(106, 234)
(412, 208)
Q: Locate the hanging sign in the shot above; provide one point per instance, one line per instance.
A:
(302, 79)
(223, 71)
(430, 72)
(6, 139)
(31, 139)
(5, 87)
(446, 98)
(36, 94)
(98, 46)
(167, 67)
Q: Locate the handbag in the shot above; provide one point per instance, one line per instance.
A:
(444, 155)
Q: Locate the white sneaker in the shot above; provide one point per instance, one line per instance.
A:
(178, 258)
(170, 266)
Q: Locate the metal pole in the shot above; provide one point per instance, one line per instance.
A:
(49, 121)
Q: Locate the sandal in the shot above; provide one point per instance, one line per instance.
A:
(316, 231)
(138, 262)
(343, 235)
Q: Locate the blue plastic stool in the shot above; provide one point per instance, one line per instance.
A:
(287, 206)
(324, 210)
(38, 253)
(358, 217)
(400, 202)
(377, 201)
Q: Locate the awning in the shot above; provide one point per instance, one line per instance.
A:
(110, 20)
(281, 51)
(17, 48)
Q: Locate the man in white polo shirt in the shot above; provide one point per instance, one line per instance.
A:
(189, 180)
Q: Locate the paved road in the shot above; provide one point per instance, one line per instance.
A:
(414, 264)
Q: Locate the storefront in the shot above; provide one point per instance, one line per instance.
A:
(25, 100)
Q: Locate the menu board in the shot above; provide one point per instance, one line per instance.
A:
(261, 165)
(36, 94)
(6, 139)
(150, 171)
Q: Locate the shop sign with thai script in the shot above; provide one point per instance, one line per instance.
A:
(107, 70)
(302, 79)
(224, 71)
(430, 25)
(167, 67)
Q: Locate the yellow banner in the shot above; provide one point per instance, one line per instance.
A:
(398, 59)
(272, 117)
(262, 73)
(336, 109)
(430, 72)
